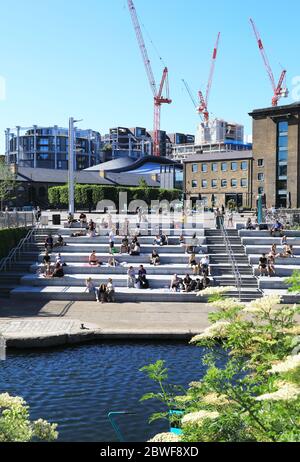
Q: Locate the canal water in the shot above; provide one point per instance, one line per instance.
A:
(76, 387)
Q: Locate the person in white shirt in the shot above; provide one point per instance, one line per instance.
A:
(110, 291)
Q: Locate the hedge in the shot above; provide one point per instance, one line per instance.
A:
(88, 196)
(9, 238)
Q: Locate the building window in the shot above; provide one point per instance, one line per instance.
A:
(282, 172)
(195, 168)
(244, 165)
(261, 190)
(194, 184)
(204, 168)
(204, 184)
(214, 167)
(244, 183)
(282, 159)
(204, 200)
(224, 183)
(234, 166)
(261, 177)
(234, 183)
(224, 167)
(261, 162)
(214, 183)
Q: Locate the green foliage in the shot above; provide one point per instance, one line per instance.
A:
(294, 282)
(250, 391)
(90, 195)
(7, 182)
(9, 238)
(16, 426)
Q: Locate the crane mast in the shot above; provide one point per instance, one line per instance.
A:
(157, 95)
(278, 90)
(203, 106)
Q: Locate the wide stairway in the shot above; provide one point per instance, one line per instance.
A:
(221, 267)
(29, 283)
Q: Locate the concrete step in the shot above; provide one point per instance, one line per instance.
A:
(122, 294)
(75, 280)
(269, 241)
(121, 258)
(254, 260)
(144, 240)
(265, 234)
(151, 231)
(259, 249)
(272, 283)
(104, 248)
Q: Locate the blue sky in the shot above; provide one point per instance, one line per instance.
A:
(82, 59)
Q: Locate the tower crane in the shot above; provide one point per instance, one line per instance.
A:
(159, 99)
(279, 90)
(203, 106)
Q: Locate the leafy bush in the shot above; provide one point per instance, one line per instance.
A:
(90, 195)
(9, 238)
(250, 391)
(15, 424)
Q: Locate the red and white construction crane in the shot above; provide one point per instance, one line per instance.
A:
(203, 106)
(159, 99)
(279, 90)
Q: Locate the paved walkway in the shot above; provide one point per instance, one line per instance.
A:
(35, 321)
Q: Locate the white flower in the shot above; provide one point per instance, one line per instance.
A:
(165, 438)
(286, 392)
(198, 417)
(215, 399)
(290, 363)
(217, 330)
(227, 303)
(215, 291)
(7, 401)
(265, 304)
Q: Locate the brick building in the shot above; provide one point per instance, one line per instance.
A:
(276, 155)
(217, 178)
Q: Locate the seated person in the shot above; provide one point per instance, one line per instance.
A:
(288, 252)
(137, 231)
(199, 285)
(143, 282)
(205, 282)
(93, 259)
(92, 229)
(156, 240)
(181, 240)
(273, 252)
(102, 293)
(205, 266)
(249, 224)
(58, 271)
(284, 240)
(163, 239)
(78, 234)
(60, 241)
(155, 258)
(49, 243)
(176, 283)
(263, 265)
(112, 261)
(271, 265)
(110, 291)
(125, 245)
(135, 249)
(193, 244)
(142, 271)
(71, 219)
(193, 263)
(59, 259)
(47, 263)
(83, 219)
(277, 228)
(187, 282)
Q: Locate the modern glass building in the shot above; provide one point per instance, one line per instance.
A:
(47, 147)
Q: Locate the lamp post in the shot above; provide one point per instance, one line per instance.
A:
(71, 164)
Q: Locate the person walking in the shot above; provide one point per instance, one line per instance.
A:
(91, 288)
(131, 278)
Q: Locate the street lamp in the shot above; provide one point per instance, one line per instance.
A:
(72, 121)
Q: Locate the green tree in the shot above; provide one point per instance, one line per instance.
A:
(7, 183)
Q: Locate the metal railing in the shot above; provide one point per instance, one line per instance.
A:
(232, 260)
(17, 219)
(15, 253)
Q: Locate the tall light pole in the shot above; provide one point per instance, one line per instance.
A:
(71, 164)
